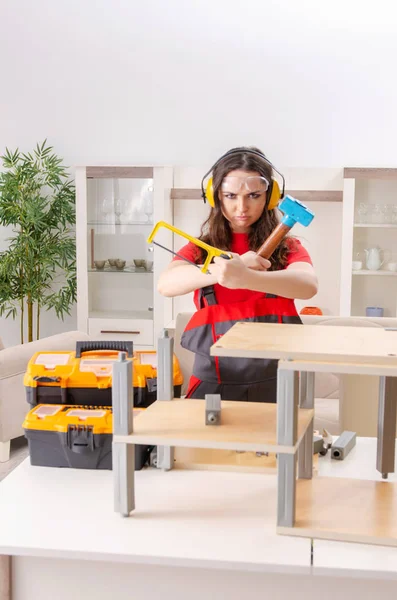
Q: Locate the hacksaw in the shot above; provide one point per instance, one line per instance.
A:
(211, 251)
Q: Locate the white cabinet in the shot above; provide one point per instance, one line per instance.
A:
(117, 270)
(369, 252)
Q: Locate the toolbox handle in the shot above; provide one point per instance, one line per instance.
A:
(104, 345)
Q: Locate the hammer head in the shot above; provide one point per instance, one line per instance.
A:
(295, 212)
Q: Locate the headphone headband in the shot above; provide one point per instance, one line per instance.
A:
(273, 200)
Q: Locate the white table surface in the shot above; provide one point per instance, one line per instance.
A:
(183, 518)
(192, 518)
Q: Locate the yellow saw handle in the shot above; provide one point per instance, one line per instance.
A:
(211, 251)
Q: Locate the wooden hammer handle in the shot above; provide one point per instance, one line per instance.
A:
(271, 243)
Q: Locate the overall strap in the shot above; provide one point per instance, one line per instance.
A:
(207, 296)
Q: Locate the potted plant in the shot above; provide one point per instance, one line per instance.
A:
(38, 269)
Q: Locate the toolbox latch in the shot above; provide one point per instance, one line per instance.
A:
(80, 439)
(151, 384)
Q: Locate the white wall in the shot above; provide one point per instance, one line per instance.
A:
(179, 81)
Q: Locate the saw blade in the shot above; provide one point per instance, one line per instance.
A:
(179, 256)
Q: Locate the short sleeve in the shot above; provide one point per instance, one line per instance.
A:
(189, 251)
(297, 252)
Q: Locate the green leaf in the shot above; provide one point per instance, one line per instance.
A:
(37, 200)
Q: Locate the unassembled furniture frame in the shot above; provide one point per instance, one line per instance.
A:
(341, 509)
(307, 508)
(244, 427)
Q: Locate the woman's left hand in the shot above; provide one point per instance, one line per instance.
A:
(231, 272)
(252, 260)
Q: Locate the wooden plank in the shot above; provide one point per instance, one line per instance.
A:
(348, 368)
(317, 195)
(120, 172)
(249, 426)
(205, 459)
(302, 195)
(346, 510)
(369, 173)
(186, 194)
(322, 343)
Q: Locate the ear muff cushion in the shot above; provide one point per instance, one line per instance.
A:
(209, 193)
(275, 195)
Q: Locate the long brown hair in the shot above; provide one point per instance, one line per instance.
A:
(216, 230)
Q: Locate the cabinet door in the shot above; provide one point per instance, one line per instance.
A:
(372, 255)
(120, 261)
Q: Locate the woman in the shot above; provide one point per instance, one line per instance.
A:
(243, 194)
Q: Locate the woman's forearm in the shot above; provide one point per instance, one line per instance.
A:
(287, 283)
(182, 279)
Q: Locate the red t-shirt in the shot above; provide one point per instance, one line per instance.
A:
(297, 253)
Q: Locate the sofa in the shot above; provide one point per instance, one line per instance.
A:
(13, 363)
(342, 402)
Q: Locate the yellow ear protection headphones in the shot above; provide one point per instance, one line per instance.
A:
(274, 194)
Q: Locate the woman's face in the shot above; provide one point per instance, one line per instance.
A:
(243, 198)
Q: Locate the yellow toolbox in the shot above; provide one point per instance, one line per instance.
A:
(84, 377)
(74, 436)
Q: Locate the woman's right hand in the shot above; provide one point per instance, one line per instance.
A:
(253, 261)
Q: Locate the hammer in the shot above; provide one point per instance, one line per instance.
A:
(294, 212)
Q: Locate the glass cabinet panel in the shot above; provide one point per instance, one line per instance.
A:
(120, 269)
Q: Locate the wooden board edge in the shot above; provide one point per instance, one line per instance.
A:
(188, 466)
(120, 172)
(369, 173)
(186, 194)
(158, 440)
(331, 367)
(335, 537)
(317, 195)
(306, 357)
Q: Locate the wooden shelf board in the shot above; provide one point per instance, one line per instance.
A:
(303, 195)
(317, 195)
(322, 343)
(120, 172)
(369, 173)
(249, 426)
(347, 368)
(346, 510)
(186, 194)
(205, 459)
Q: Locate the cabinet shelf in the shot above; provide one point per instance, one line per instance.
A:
(130, 224)
(376, 225)
(125, 270)
(377, 273)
